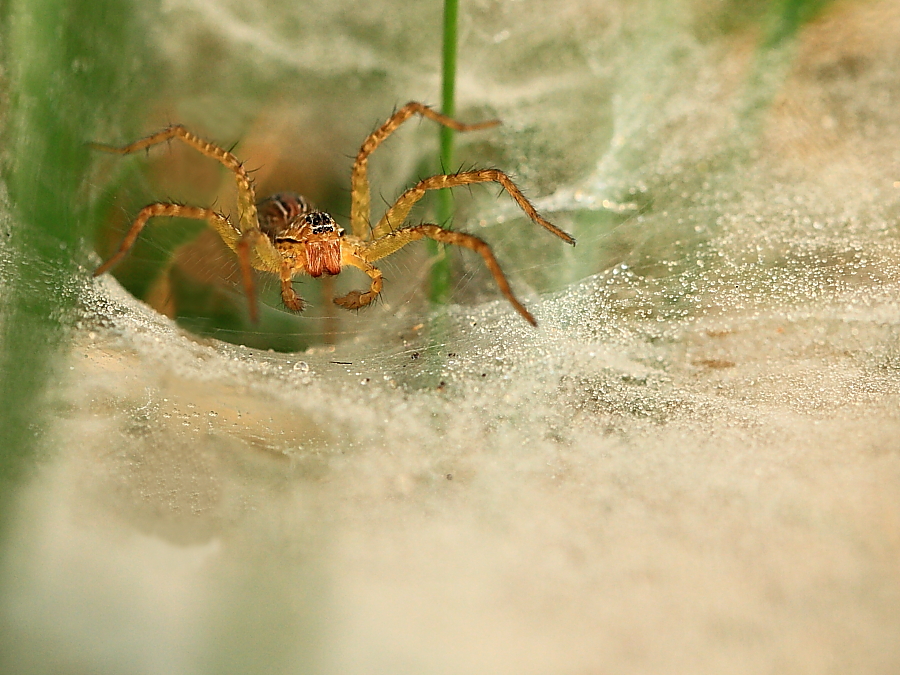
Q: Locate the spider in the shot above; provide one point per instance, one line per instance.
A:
(286, 236)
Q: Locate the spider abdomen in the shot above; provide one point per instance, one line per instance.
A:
(278, 212)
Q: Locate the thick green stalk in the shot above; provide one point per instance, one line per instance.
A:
(440, 272)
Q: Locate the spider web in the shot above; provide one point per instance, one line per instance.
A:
(690, 465)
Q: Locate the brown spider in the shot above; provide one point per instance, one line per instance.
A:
(285, 235)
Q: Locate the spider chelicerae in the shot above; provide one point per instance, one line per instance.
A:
(285, 235)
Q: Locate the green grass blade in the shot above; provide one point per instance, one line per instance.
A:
(440, 272)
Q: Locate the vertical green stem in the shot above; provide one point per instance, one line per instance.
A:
(440, 272)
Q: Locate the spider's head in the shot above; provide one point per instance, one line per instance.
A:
(315, 238)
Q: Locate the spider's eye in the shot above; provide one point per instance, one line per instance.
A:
(320, 223)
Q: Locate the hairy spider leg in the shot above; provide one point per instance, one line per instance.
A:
(246, 193)
(360, 208)
(217, 221)
(350, 256)
(252, 247)
(396, 215)
(394, 241)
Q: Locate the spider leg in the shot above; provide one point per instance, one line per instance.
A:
(360, 209)
(246, 195)
(396, 215)
(393, 241)
(253, 248)
(216, 220)
(255, 256)
(242, 248)
(351, 254)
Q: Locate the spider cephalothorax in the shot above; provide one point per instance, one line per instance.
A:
(285, 235)
(310, 240)
(313, 243)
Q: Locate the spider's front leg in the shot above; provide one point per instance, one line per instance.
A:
(246, 196)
